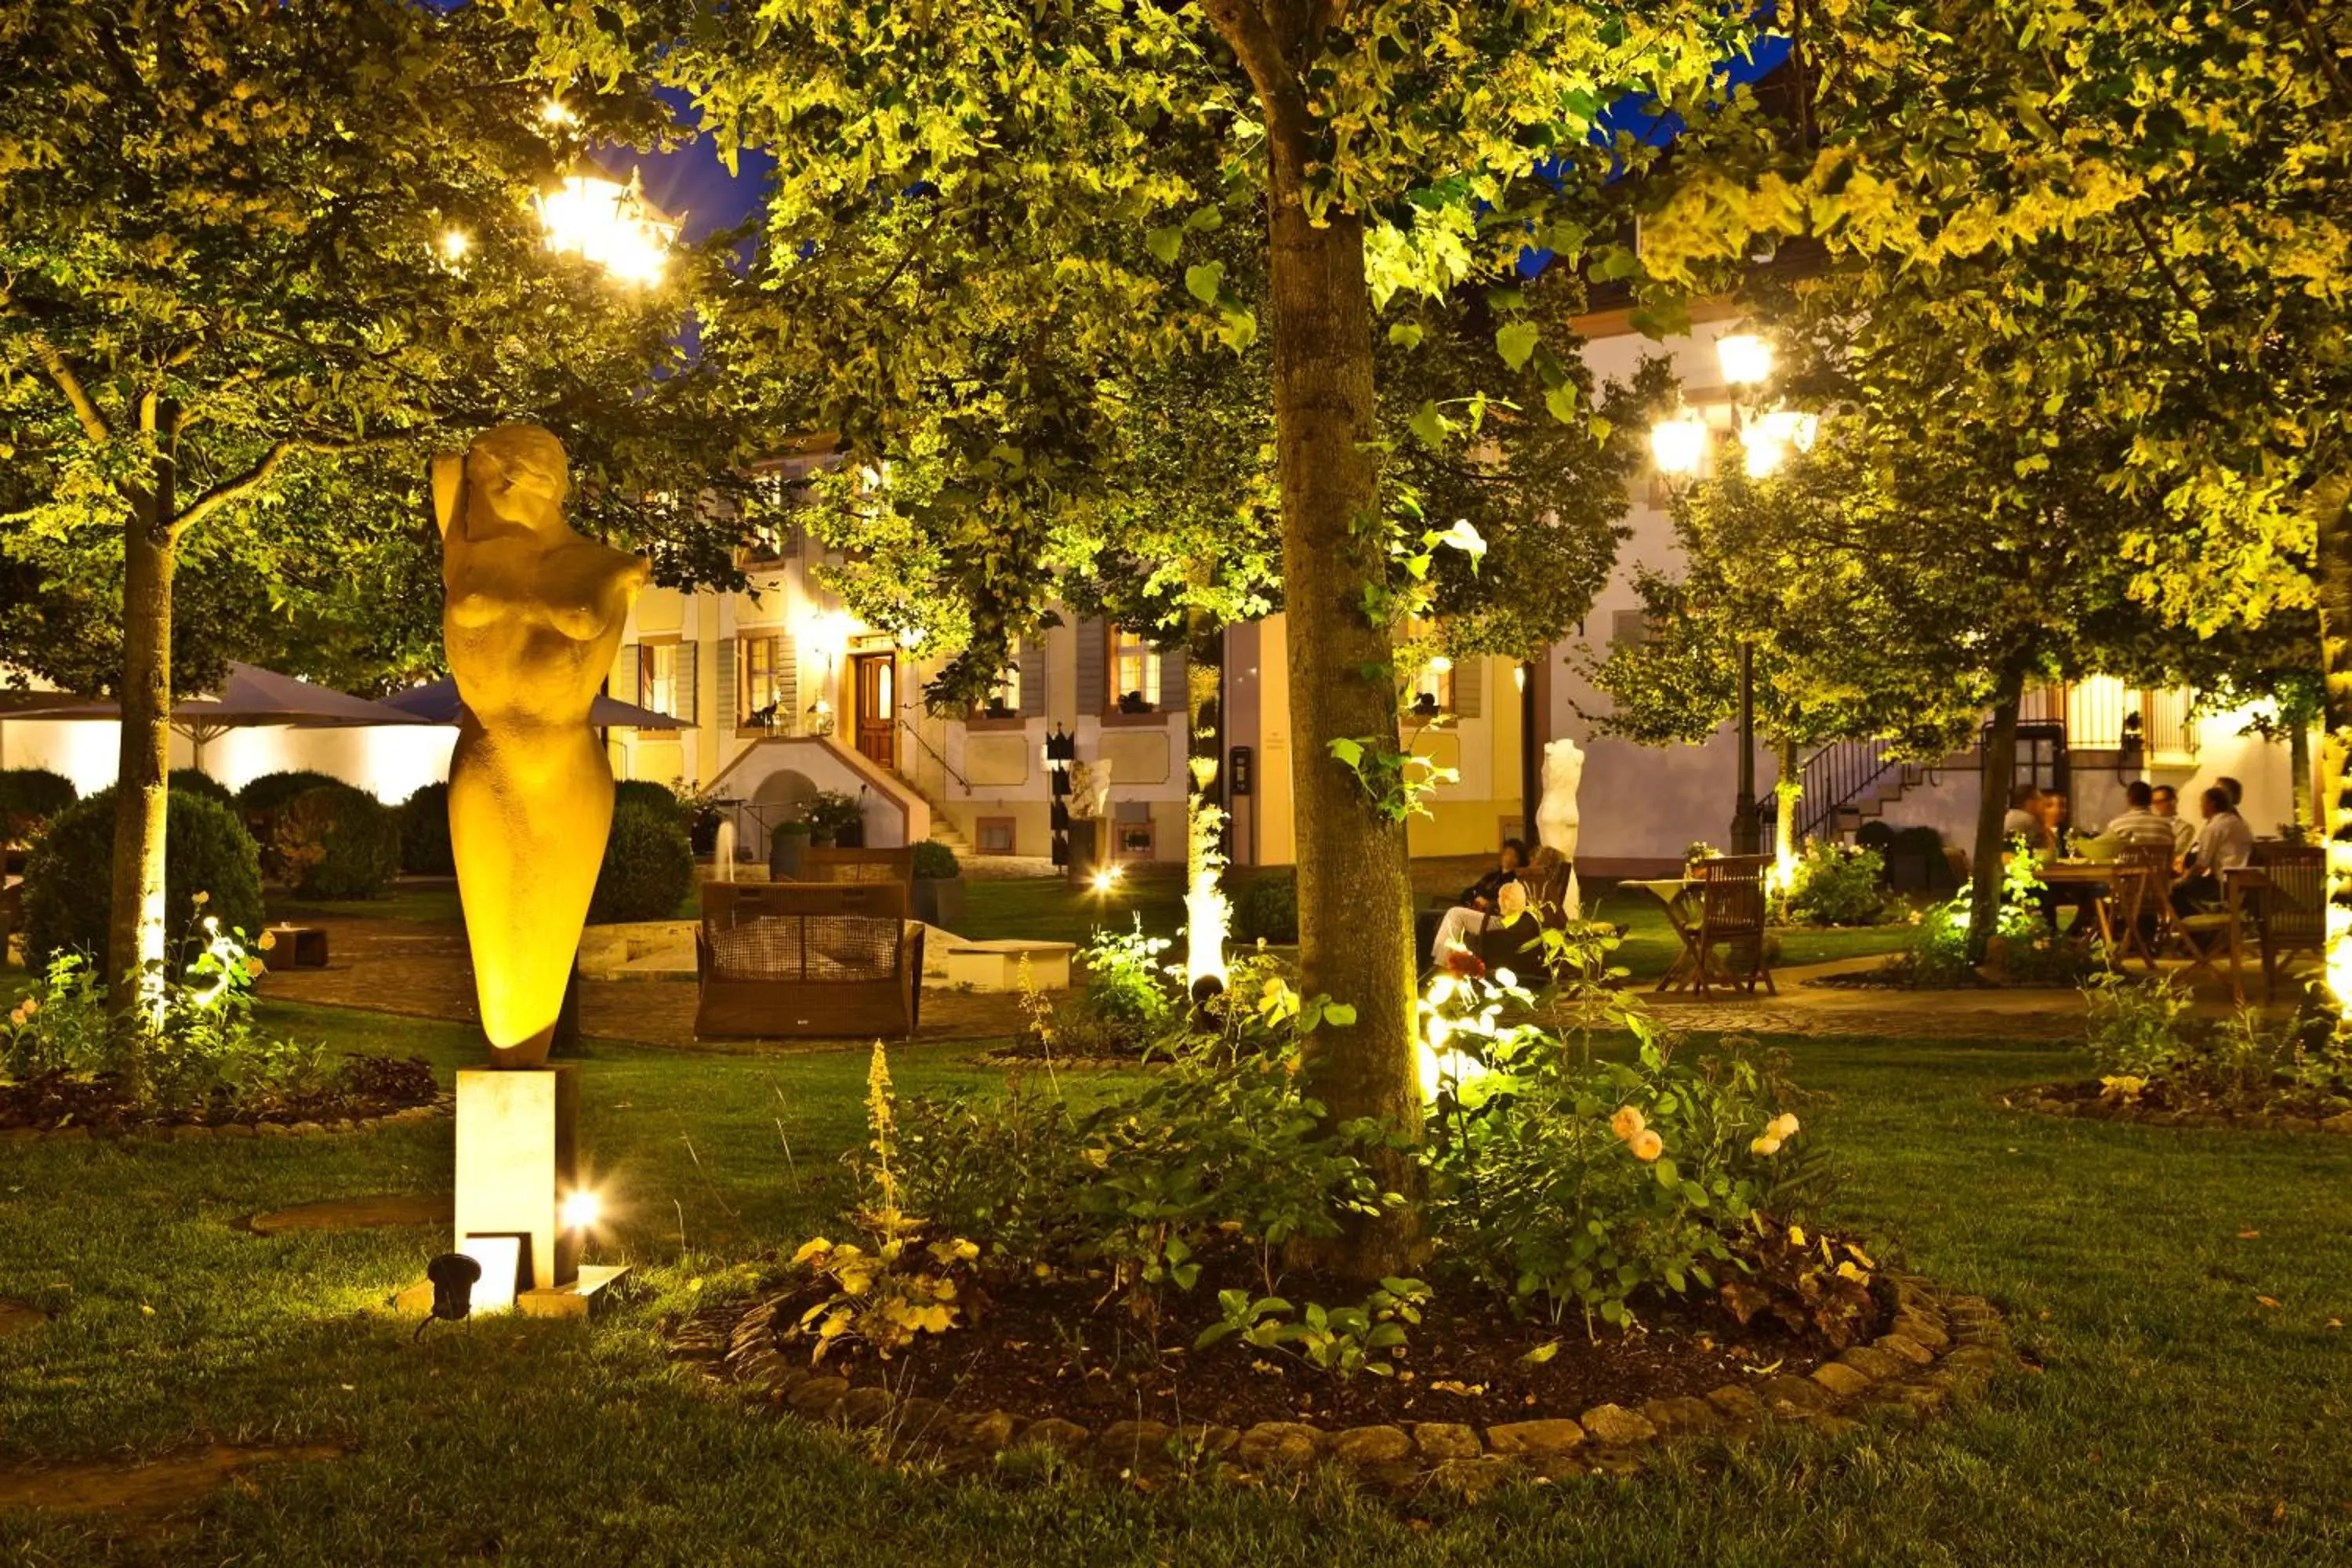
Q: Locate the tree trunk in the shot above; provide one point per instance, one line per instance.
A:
(1788, 790)
(1206, 908)
(2333, 515)
(2298, 762)
(2000, 771)
(1355, 888)
(134, 936)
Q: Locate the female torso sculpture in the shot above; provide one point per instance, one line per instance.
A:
(1557, 815)
(531, 620)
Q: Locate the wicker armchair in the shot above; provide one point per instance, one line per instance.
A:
(1731, 923)
(791, 958)
(858, 866)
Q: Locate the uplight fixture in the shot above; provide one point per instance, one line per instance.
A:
(581, 1209)
(1107, 878)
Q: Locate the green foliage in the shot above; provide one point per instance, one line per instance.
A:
(830, 813)
(647, 792)
(648, 866)
(267, 794)
(2151, 1047)
(1835, 885)
(1337, 1340)
(196, 781)
(1124, 983)
(335, 841)
(424, 848)
(201, 1055)
(1265, 907)
(67, 890)
(936, 862)
(28, 798)
(2137, 1029)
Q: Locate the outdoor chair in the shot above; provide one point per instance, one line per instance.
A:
(2141, 909)
(2207, 936)
(790, 958)
(2290, 905)
(858, 866)
(1731, 922)
(1517, 945)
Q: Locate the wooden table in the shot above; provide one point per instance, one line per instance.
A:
(1680, 895)
(2103, 879)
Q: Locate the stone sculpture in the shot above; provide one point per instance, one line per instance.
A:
(1557, 815)
(532, 621)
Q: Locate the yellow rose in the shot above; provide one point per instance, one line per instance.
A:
(1782, 1127)
(254, 967)
(268, 941)
(202, 898)
(1767, 1144)
(1648, 1146)
(1627, 1123)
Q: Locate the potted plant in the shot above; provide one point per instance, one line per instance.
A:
(1133, 702)
(787, 843)
(835, 819)
(938, 885)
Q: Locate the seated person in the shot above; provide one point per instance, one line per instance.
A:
(2025, 819)
(2223, 844)
(2137, 823)
(1462, 925)
(2165, 801)
(1480, 897)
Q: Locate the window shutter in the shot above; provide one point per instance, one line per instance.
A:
(1033, 679)
(1094, 650)
(626, 686)
(1173, 698)
(729, 677)
(685, 682)
(788, 685)
(1469, 686)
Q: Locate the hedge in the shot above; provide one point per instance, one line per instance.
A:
(648, 863)
(338, 842)
(425, 833)
(67, 877)
(30, 797)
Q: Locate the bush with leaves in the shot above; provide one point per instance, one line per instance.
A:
(424, 848)
(1266, 908)
(645, 792)
(266, 795)
(1126, 983)
(936, 862)
(648, 866)
(196, 781)
(29, 797)
(1834, 885)
(337, 842)
(69, 890)
(2152, 1049)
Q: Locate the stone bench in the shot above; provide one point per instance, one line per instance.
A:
(996, 965)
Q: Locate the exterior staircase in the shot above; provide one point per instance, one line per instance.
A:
(943, 827)
(1850, 782)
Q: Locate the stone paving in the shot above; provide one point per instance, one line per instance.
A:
(423, 971)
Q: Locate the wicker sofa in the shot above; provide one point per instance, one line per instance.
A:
(807, 959)
(857, 866)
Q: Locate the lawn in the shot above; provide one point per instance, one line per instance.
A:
(2180, 1418)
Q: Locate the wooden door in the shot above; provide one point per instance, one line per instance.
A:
(876, 685)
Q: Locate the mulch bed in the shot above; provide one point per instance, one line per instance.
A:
(2165, 1105)
(365, 1089)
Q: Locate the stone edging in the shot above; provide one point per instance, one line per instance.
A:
(2042, 1100)
(1939, 1344)
(442, 1105)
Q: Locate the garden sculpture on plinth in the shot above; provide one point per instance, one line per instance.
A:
(1557, 815)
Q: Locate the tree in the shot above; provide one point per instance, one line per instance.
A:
(244, 247)
(1050, 163)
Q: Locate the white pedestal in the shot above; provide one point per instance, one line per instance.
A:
(518, 1159)
(996, 965)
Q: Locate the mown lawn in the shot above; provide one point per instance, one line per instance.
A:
(2179, 1417)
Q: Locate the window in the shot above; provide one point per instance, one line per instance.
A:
(657, 678)
(1135, 673)
(761, 689)
(1004, 697)
(1628, 628)
(1432, 691)
(993, 834)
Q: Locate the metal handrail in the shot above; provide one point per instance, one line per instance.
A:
(946, 770)
(1836, 776)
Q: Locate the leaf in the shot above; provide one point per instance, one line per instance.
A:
(1429, 427)
(1211, 1335)
(1516, 342)
(1350, 752)
(1164, 243)
(1238, 330)
(1540, 1354)
(1560, 401)
(1405, 334)
(1339, 1013)
(1202, 280)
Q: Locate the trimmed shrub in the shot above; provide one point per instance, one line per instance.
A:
(28, 797)
(1836, 886)
(648, 863)
(647, 792)
(936, 862)
(196, 781)
(425, 833)
(68, 891)
(270, 794)
(1266, 908)
(337, 842)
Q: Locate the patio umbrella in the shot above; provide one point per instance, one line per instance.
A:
(435, 702)
(251, 697)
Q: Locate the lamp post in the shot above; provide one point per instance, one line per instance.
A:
(1678, 446)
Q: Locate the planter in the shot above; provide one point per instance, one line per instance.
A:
(1088, 835)
(851, 835)
(939, 900)
(785, 848)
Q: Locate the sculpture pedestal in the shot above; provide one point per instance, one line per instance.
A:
(517, 1159)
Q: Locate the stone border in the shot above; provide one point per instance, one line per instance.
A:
(442, 1105)
(1939, 1344)
(2042, 1100)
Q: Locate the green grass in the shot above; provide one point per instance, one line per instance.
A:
(2178, 1420)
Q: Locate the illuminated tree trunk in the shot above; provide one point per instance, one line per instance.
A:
(1206, 908)
(1355, 890)
(134, 936)
(2334, 509)
(1999, 769)
(2298, 761)
(1788, 790)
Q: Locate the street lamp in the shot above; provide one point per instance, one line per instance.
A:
(1679, 446)
(598, 219)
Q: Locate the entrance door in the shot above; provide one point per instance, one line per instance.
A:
(875, 676)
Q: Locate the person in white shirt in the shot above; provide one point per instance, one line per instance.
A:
(2166, 804)
(2137, 823)
(2223, 844)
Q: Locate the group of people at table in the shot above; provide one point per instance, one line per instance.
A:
(2201, 853)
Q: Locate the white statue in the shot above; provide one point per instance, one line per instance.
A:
(1557, 815)
(1090, 789)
